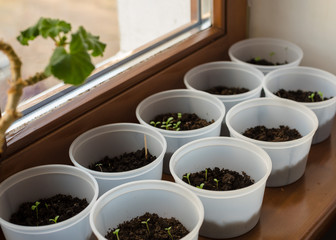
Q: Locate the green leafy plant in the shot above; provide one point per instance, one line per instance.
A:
(54, 220)
(35, 208)
(200, 186)
(168, 230)
(215, 179)
(116, 232)
(206, 175)
(70, 61)
(320, 94)
(187, 176)
(146, 223)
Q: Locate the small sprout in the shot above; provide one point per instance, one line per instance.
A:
(257, 59)
(116, 232)
(146, 222)
(46, 205)
(311, 97)
(179, 115)
(187, 177)
(320, 94)
(100, 166)
(271, 55)
(155, 123)
(167, 124)
(170, 235)
(176, 126)
(215, 179)
(200, 186)
(54, 220)
(35, 208)
(206, 175)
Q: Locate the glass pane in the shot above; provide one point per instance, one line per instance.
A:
(126, 26)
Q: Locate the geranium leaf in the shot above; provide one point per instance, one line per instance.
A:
(72, 68)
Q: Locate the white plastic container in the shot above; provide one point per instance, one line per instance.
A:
(227, 74)
(307, 79)
(43, 182)
(203, 104)
(226, 213)
(283, 50)
(134, 199)
(113, 140)
(289, 158)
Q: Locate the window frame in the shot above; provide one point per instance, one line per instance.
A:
(33, 144)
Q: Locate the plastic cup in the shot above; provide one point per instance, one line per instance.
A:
(43, 182)
(228, 74)
(307, 79)
(134, 199)
(113, 140)
(226, 213)
(283, 50)
(203, 104)
(289, 158)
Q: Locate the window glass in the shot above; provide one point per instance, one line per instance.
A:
(130, 28)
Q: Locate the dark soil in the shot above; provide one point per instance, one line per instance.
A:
(227, 179)
(281, 134)
(222, 90)
(188, 121)
(301, 96)
(264, 62)
(136, 229)
(64, 206)
(124, 162)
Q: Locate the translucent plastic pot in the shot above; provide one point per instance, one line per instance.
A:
(203, 104)
(43, 182)
(227, 74)
(134, 199)
(113, 140)
(283, 50)
(289, 158)
(307, 79)
(226, 213)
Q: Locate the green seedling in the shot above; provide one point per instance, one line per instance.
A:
(176, 126)
(311, 97)
(100, 166)
(187, 177)
(46, 205)
(200, 186)
(146, 223)
(257, 59)
(155, 123)
(215, 179)
(54, 220)
(116, 232)
(35, 208)
(179, 115)
(320, 94)
(167, 124)
(206, 175)
(170, 235)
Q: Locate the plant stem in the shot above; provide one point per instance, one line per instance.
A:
(15, 91)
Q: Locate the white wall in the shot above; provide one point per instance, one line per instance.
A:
(311, 24)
